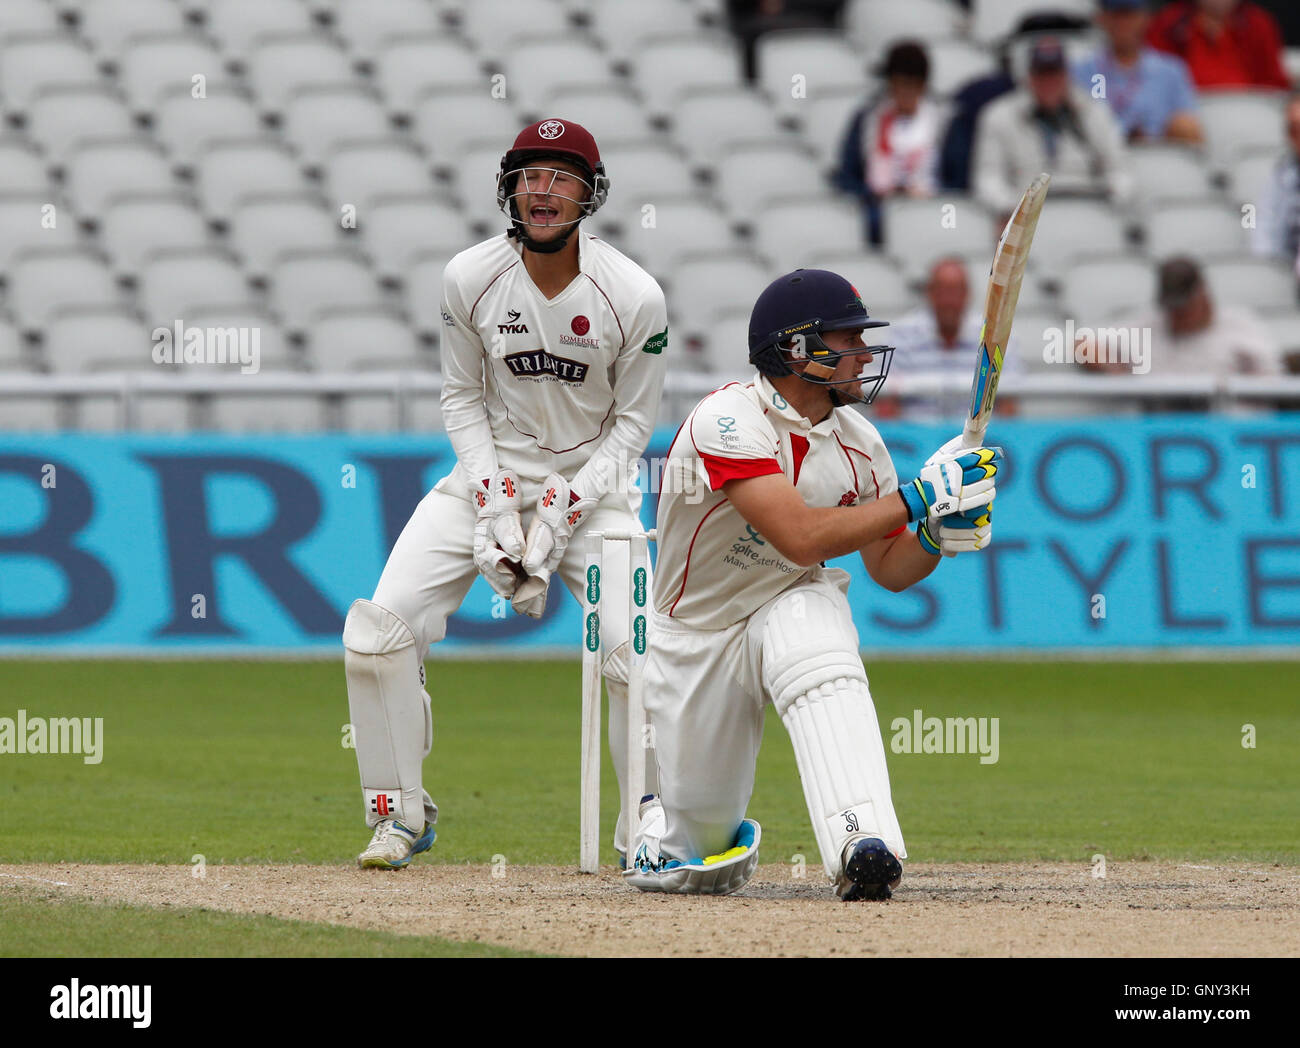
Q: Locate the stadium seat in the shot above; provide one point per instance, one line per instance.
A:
(60, 119)
(724, 351)
(135, 225)
(176, 283)
(318, 120)
(607, 112)
(231, 170)
(1102, 288)
(411, 70)
(1029, 335)
(97, 338)
(306, 283)
(395, 229)
(872, 25)
(110, 28)
(22, 168)
(360, 173)
(918, 231)
(1285, 328)
(620, 28)
(423, 290)
(1253, 282)
(754, 172)
(1167, 172)
(445, 121)
(31, 65)
(367, 27)
(32, 414)
(955, 63)
(186, 125)
(252, 327)
(46, 280)
(155, 68)
(707, 122)
(824, 121)
(993, 20)
(24, 219)
(364, 340)
(254, 412)
(673, 67)
(640, 173)
(26, 17)
(240, 25)
(280, 67)
(498, 25)
(681, 225)
(266, 226)
(13, 357)
(1236, 122)
(884, 291)
(1251, 173)
(535, 68)
(702, 286)
(797, 64)
(475, 173)
(100, 170)
(1074, 227)
(798, 228)
(1195, 228)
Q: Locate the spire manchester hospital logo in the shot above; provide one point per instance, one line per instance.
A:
(551, 129)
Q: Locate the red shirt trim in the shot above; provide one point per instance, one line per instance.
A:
(722, 469)
(799, 449)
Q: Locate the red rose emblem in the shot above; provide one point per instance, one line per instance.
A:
(581, 325)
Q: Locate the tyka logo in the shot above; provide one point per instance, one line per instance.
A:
(537, 363)
(512, 326)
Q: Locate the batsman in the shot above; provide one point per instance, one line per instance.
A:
(553, 363)
(745, 612)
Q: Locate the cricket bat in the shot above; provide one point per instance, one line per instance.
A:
(1005, 278)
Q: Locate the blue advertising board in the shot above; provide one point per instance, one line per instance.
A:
(1117, 533)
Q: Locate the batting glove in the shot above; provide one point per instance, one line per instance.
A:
(957, 532)
(952, 485)
(498, 531)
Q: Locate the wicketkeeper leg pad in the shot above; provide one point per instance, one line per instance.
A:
(814, 675)
(392, 722)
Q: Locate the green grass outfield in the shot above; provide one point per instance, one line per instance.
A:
(73, 928)
(242, 762)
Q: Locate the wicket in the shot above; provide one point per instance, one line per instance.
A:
(638, 598)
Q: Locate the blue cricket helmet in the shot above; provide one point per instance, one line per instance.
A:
(787, 322)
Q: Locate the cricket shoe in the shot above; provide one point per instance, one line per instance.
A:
(871, 871)
(394, 844)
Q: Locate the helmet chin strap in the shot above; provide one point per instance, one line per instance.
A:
(540, 247)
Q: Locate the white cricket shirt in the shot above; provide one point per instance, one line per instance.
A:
(713, 569)
(569, 385)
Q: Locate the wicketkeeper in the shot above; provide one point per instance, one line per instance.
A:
(745, 612)
(553, 363)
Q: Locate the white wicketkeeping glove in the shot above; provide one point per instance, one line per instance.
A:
(498, 531)
(559, 512)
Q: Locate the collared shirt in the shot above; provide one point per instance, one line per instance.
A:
(713, 568)
(1144, 97)
(569, 385)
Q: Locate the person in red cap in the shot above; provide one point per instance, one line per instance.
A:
(553, 355)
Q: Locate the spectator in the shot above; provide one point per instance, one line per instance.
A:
(890, 146)
(1277, 225)
(1225, 43)
(1193, 335)
(1048, 125)
(943, 337)
(1150, 93)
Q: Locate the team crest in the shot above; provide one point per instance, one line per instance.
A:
(551, 129)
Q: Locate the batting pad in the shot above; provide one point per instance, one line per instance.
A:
(841, 761)
(392, 724)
